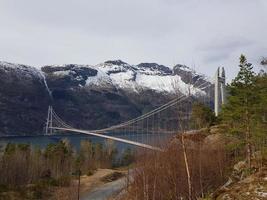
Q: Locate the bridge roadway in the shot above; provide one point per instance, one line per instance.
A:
(109, 137)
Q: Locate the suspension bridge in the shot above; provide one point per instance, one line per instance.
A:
(147, 124)
(160, 123)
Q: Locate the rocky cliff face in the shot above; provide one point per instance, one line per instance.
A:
(87, 96)
(23, 99)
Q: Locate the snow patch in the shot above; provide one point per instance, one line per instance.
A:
(171, 84)
(62, 73)
(26, 71)
(124, 76)
(134, 78)
(21, 69)
(185, 68)
(101, 78)
(109, 68)
(123, 79)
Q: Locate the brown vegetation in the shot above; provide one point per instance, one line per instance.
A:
(112, 177)
(163, 175)
(32, 173)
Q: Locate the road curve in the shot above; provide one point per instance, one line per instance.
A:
(105, 191)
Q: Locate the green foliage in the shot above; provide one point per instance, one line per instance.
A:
(245, 76)
(93, 156)
(202, 116)
(10, 149)
(240, 107)
(261, 106)
(3, 188)
(127, 157)
(41, 188)
(246, 107)
(24, 147)
(57, 150)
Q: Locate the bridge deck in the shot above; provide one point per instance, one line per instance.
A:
(109, 137)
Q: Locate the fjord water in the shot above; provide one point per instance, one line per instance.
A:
(42, 141)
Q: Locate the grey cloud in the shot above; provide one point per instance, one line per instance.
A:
(216, 56)
(219, 50)
(207, 33)
(228, 43)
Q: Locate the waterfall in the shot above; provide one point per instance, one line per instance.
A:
(46, 86)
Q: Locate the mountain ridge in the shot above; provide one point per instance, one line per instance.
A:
(86, 96)
(125, 76)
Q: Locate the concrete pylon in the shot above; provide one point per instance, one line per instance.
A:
(219, 91)
(223, 95)
(49, 121)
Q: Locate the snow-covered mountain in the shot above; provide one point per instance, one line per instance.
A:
(24, 72)
(88, 96)
(135, 78)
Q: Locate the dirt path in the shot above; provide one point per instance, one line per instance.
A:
(105, 191)
(94, 189)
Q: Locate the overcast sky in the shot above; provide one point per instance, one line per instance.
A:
(203, 34)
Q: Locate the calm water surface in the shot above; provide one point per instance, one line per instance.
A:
(42, 141)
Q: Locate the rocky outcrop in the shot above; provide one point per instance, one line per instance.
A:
(253, 186)
(68, 75)
(189, 76)
(161, 69)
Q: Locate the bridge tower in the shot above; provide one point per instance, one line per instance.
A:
(219, 94)
(49, 121)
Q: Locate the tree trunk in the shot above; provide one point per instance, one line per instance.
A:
(200, 169)
(187, 169)
(248, 138)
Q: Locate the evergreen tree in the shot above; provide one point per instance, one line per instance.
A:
(202, 116)
(240, 112)
(261, 111)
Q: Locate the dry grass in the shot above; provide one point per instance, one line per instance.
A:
(162, 175)
(66, 193)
